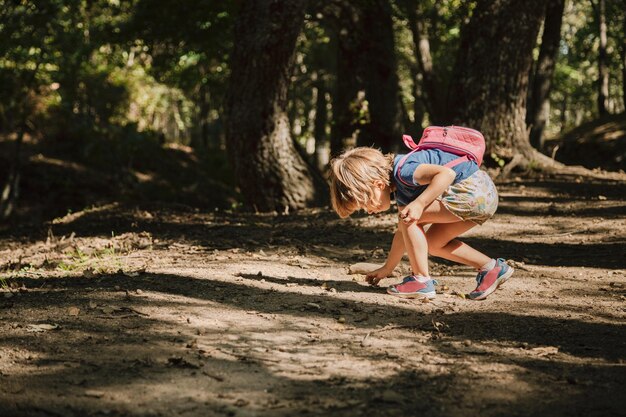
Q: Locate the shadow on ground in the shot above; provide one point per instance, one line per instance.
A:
(98, 359)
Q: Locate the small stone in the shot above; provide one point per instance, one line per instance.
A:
(341, 320)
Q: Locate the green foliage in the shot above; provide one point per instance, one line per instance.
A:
(122, 87)
(101, 261)
(574, 92)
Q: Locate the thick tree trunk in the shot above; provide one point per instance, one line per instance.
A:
(380, 76)
(490, 80)
(269, 171)
(538, 106)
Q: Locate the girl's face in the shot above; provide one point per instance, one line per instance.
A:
(381, 198)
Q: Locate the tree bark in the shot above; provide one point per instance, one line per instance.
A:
(433, 98)
(319, 127)
(490, 83)
(269, 171)
(624, 55)
(538, 105)
(382, 89)
(348, 81)
(603, 69)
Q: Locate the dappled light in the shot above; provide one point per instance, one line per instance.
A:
(291, 208)
(158, 312)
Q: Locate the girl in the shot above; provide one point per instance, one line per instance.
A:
(451, 200)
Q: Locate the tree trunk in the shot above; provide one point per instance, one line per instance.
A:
(319, 129)
(490, 83)
(624, 56)
(10, 191)
(269, 171)
(433, 98)
(380, 76)
(538, 105)
(419, 110)
(603, 69)
(345, 99)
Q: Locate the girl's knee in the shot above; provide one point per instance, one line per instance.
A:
(435, 244)
(434, 251)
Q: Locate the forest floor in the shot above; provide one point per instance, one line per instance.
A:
(169, 311)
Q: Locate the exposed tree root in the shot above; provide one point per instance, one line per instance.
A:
(532, 160)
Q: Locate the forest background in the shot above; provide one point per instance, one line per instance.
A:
(229, 105)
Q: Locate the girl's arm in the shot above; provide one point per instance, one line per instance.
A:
(438, 179)
(393, 259)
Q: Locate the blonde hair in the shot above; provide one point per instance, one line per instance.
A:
(352, 175)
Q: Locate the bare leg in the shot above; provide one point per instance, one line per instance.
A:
(442, 233)
(416, 246)
(442, 243)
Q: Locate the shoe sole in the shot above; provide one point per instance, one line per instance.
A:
(429, 295)
(504, 278)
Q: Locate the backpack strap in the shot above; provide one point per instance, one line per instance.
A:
(398, 170)
(457, 161)
(450, 165)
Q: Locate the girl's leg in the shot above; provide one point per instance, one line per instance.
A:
(442, 233)
(442, 243)
(416, 247)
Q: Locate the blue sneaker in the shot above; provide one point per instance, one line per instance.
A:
(412, 288)
(489, 280)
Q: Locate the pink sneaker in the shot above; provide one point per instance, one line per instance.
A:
(488, 281)
(412, 288)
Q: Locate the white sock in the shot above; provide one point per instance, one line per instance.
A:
(421, 278)
(489, 265)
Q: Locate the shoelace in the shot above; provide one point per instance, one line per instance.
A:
(481, 276)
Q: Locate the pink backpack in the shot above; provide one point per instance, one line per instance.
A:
(468, 143)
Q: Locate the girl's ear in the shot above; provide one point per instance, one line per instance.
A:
(380, 184)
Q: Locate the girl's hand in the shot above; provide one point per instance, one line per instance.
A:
(412, 212)
(374, 277)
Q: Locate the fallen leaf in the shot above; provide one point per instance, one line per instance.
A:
(363, 268)
(94, 394)
(544, 350)
(110, 309)
(181, 362)
(38, 328)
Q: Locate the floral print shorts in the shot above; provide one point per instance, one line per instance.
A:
(475, 198)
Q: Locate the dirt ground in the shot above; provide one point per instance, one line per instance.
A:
(169, 311)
